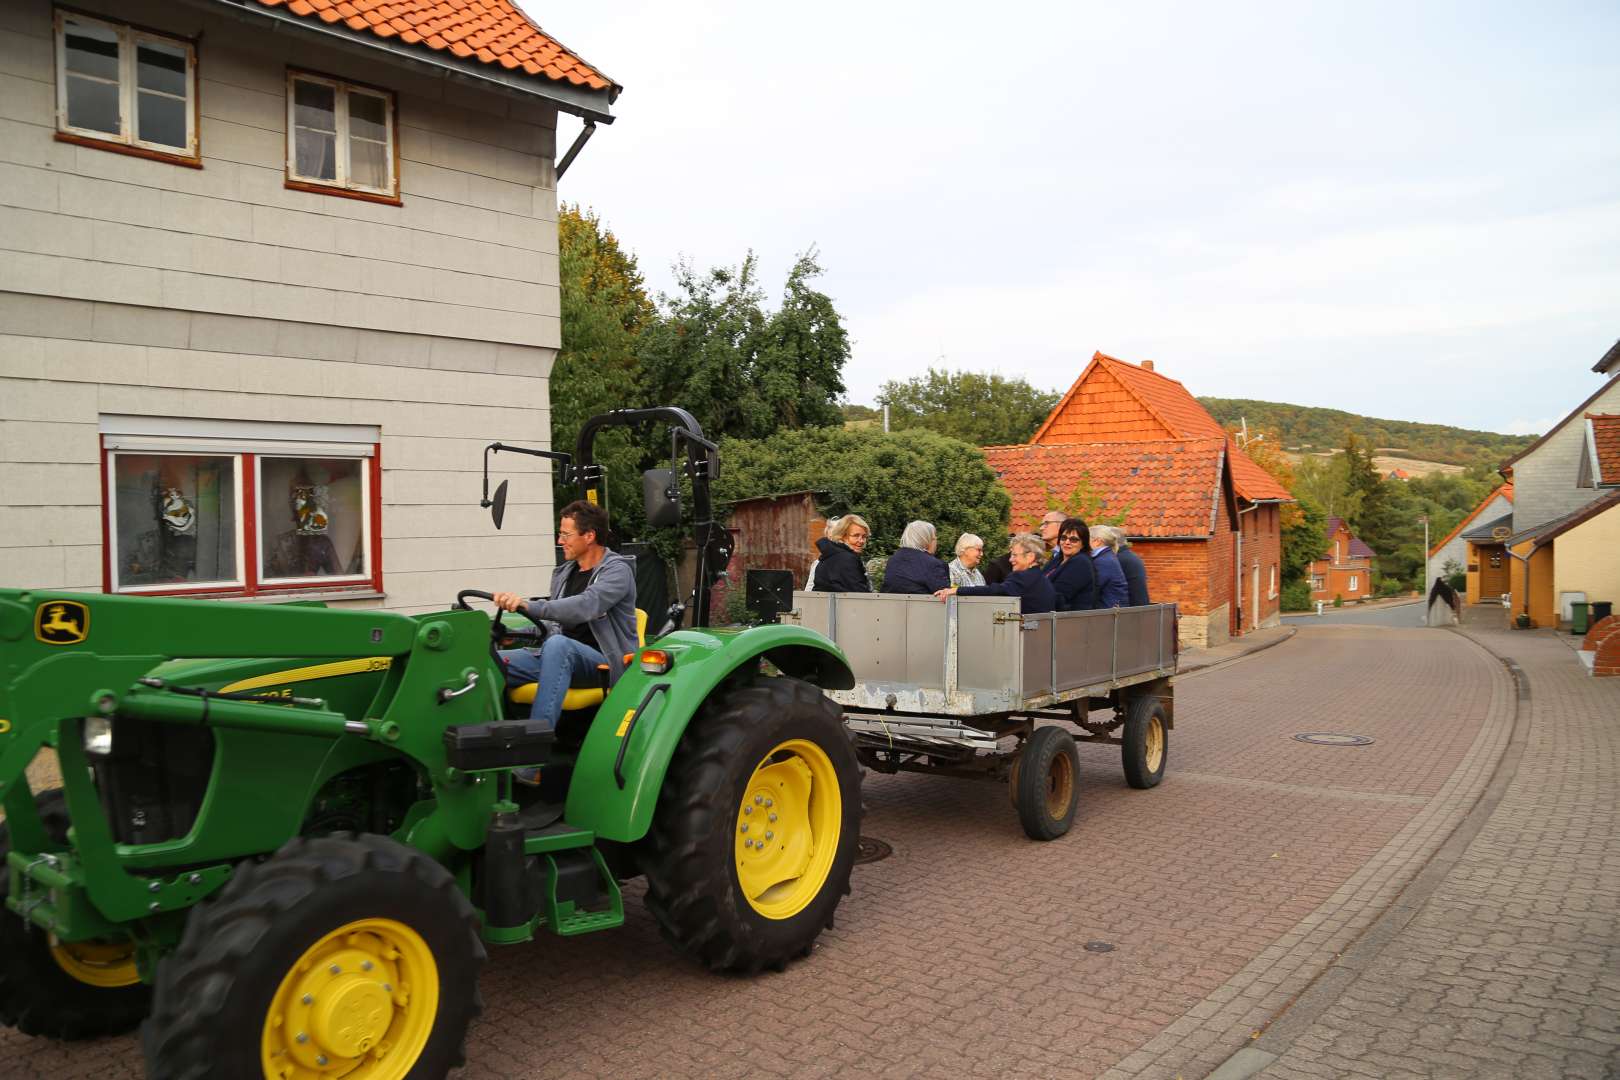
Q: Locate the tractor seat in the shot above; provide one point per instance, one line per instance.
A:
(580, 697)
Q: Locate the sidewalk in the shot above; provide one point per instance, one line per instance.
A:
(1503, 958)
(1192, 660)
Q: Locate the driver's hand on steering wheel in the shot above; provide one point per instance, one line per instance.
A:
(507, 601)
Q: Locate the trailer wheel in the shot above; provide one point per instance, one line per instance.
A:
(756, 827)
(1146, 743)
(69, 990)
(1046, 783)
(340, 955)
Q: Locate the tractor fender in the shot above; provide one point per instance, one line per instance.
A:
(645, 716)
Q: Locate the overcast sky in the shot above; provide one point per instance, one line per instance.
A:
(1408, 210)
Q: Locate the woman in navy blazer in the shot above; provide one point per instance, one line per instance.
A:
(1026, 582)
(1070, 570)
(1111, 588)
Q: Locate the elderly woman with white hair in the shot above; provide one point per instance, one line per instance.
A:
(1130, 564)
(913, 568)
(1027, 582)
(964, 569)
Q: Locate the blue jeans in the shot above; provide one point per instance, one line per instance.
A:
(558, 664)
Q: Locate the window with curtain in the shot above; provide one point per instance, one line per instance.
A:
(340, 136)
(125, 87)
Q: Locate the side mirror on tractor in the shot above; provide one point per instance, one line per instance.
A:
(497, 505)
(661, 497)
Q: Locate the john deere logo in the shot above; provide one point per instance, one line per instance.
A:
(62, 622)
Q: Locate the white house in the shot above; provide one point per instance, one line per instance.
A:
(271, 276)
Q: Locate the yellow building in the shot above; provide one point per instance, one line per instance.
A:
(1578, 553)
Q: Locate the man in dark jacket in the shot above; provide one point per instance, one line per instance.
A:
(913, 568)
(1130, 563)
(1070, 570)
(839, 569)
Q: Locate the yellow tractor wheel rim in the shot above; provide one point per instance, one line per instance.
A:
(788, 828)
(359, 1003)
(1059, 786)
(1154, 750)
(109, 965)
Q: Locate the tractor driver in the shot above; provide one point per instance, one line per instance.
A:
(593, 601)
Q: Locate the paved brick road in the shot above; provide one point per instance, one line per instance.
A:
(1511, 968)
(1224, 892)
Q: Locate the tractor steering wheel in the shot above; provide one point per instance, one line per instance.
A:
(499, 632)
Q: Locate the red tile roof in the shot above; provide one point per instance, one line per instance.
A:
(493, 32)
(1113, 400)
(1165, 487)
(1606, 438)
(1504, 490)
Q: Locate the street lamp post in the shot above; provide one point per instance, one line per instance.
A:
(1425, 569)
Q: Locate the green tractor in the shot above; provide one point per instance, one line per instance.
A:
(286, 834)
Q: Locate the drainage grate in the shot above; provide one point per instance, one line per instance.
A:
(871, 849)
(1333, 738)
(1099, 946)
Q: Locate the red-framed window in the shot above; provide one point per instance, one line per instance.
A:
(224, 515)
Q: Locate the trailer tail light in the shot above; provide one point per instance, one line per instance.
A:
(656, 661)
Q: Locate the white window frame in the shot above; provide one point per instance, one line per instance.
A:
(129, 41)
(114, 562)
(1353, 583)
(357, 451)
(340, 104)
(1271, 586)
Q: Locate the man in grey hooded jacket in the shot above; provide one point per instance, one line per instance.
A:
(592, 603)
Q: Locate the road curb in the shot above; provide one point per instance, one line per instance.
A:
(1328, 987)
(1272, 644)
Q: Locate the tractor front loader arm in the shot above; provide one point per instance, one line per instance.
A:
(68, 660)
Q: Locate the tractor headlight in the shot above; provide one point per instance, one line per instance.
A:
(98, 735)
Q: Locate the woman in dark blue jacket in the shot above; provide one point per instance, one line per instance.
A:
(1111, 588)
(913, 568)
(1026, 582)
(1070, 570)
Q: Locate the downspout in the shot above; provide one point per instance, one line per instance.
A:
(1237, 590)
(580, 140)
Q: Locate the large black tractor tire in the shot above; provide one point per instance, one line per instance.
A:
(361, 945)
(1046, 783)
(1146, 743)
(770, 762)
(39, 992)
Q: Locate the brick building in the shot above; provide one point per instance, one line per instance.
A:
(1178, 506)
(1118, 402)
(1345, 570)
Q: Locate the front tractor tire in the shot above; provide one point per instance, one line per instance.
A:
(67, 991)
(756, 827)
(347, 955)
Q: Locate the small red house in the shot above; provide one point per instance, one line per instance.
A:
(1345, 569)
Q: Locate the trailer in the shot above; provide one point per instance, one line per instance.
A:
(972, 688)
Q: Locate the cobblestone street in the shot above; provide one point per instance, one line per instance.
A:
(1168, 928)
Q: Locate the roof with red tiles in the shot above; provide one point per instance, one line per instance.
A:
(477, 32)
(1504, 490)
(1114, 400)
(1355, 549)
(1605, 431)
(1167, 488)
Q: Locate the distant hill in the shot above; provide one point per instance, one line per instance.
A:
(1304, 428)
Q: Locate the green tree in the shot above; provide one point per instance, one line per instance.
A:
(605, 310)
(1304, 538)
(889, 479)
(1082, 501)
(983, 409)
(742, 371)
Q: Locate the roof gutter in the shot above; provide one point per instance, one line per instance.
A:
(590, 105)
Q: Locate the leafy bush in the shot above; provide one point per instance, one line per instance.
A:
(1338, 601)
(1388, 586)
(1455, 576)
(1296, 596)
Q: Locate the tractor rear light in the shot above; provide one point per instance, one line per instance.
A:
(98, 735)
(656, 661)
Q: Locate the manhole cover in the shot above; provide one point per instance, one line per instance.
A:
(871, 849)
(1332, 738)
(1099, 946)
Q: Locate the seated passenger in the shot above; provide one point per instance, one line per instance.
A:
(1070, 569)
(1111, 588)
(1131, 564)
(593, 600)
(1026, 582)
(912, 568)
(839, 569)
(964, 569)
